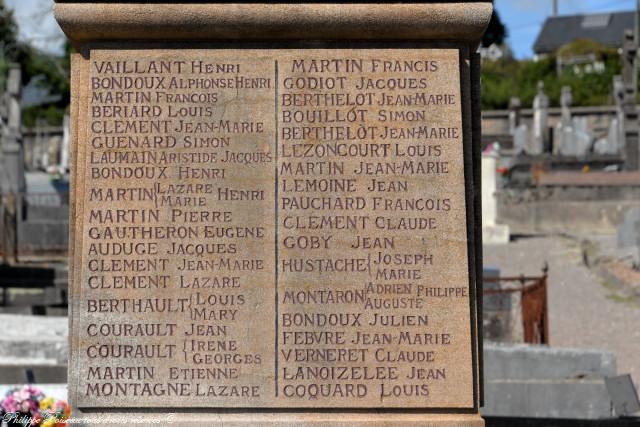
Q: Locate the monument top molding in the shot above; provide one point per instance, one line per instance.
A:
(86, 22)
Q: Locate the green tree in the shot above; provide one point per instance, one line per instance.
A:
(496, 31)
(508, 78)
(55, 72)
(9, 51)
(53, 69)
(8, 27)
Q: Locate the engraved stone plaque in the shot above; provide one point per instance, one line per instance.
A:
(272, 228)
(275, 213)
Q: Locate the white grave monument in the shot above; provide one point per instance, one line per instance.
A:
(492, 233)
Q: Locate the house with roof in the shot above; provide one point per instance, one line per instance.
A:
(606, 29)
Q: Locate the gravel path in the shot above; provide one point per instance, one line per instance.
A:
(581, 311)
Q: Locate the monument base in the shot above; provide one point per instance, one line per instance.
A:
(298, 419)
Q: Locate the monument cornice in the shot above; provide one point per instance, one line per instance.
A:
(91, 22)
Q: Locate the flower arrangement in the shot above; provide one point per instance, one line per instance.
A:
(27, 406)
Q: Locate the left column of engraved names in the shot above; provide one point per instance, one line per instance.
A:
(178, 231)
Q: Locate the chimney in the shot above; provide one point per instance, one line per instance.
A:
(555, 8)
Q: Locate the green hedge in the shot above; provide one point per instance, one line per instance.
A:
(508, 77)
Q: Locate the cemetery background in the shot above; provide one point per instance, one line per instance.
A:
(561, 194)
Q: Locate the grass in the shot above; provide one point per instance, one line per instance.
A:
(615, 295)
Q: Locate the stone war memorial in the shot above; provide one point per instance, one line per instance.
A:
(276, 213)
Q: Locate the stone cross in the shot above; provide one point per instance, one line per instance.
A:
(618, 97)
(631, 140)
(14, 90)
(610, 144)
(566, 99)
(540, 120)
(521, 139)
(629, 54)
(13, 164)
(492, 232)
(13, 180)
(618, 91)
(514, 114)
(563, 131)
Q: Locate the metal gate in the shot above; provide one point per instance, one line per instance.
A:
(533, 292)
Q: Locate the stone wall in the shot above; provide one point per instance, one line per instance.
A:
(496, 122)
(572, 210)
(544, 382)
(520, 380)
(42, 146)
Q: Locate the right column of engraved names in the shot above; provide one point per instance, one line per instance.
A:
(372, 268)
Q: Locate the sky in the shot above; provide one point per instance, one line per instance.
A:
(523, 18)
(36, 24)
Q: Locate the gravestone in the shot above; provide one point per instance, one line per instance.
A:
(496, 308)
(629, 105)
(540, 121)
(566, 99)
(492, 232)
(13, 184)
(582, 139)
(576, 139)
(560, 135)
(611, 143)
(276, 213)
(521, 139)
(628, 232)
(514, 114)
(13, 168)
(628, 238)
(619, 97)
(563, 131)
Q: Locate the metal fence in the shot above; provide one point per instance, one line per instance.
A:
(533, 302)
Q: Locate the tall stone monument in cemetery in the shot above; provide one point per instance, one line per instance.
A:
(540, 121)
(629, 104)
(492, 232)
(276, 212)
(563, 132)
(514, 114)
(619, 98)
(566, 99)
(12, 178)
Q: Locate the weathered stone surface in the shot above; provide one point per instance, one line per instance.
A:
(523, 380)
(521, 138)
(34, 337)
(277, 233)
(543, 382)
(540, 121)
(86, 22)
(628, 231)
